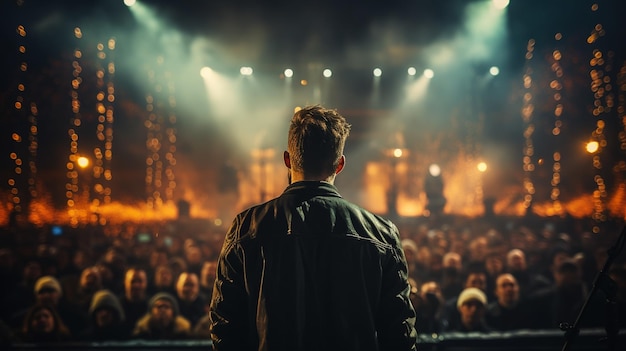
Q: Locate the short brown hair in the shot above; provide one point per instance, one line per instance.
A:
(316, 140)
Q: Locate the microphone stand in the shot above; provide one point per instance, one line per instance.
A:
(607, 285)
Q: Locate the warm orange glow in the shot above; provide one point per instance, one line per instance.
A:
(83, 162)
(481, 167)
(592, 147)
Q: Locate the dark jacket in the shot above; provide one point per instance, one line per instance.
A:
(311, 271)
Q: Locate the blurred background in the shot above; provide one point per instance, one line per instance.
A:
(119, 111)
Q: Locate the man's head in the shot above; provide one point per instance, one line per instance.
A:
(105, 309)
(567, 276)
(507, 290)
(452, 260)
(409, 247)
(315, 144)
(187, 287)
(42, 319)
(471, 305)
(208, 274)
(476, 279)
(135, 284)
(90, 280)
(516, 261)
(163, 310)
(163, 276)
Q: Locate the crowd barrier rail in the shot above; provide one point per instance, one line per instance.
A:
(521, 340)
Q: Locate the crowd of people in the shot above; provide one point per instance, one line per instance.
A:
(471, 275)
(486, 279)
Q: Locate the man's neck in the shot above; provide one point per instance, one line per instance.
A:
(299, 177)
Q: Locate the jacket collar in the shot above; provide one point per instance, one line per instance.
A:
(312, 187)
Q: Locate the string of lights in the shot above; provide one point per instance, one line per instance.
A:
(170, 131)
(556, 87)
(161, 137)
(620, 167)
(529, 127)
(105, 97)
(16, 181)
(72, 186)
(603, 103)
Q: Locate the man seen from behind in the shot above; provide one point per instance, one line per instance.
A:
(309, 270)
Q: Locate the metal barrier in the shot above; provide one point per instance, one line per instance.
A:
(522, 340)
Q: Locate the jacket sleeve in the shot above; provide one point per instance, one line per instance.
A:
(396, 316)
(228, 311)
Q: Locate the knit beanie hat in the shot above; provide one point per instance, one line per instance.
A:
(165, 296)
(471, 294)
(48, 282)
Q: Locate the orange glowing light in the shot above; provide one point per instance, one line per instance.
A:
(83, 162)
(592, 147)
(482, 167)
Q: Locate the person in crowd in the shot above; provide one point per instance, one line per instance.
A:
(434, 266)
(309, 266)
(556, 255)
(478, 250)
(409, 247)
(429, 308)
(42, 324)
(22, 295)
(135, 299)
(48, 291)
(177, 265)
(191, 304)
(507, 313)
(207, 278)
(494, 266)
(562, 302)
(451, 284)
(107, 318)
(618, 275)
(163, 320)
(528, 282)
(475, 277)
(90, 282)
(193, 257)
(158, 257)
(115, 263)
(164, 280)
(471, 305)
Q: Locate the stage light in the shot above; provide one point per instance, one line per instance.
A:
(494, 70)
(429, 73)
(378, 72)
(327, 73)
(501, 4)
(129, 3)
(397, 153)
(412, 71)
(434, 170)
(482, 167)
(245, 71)
(288, 73)
(205, 72)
